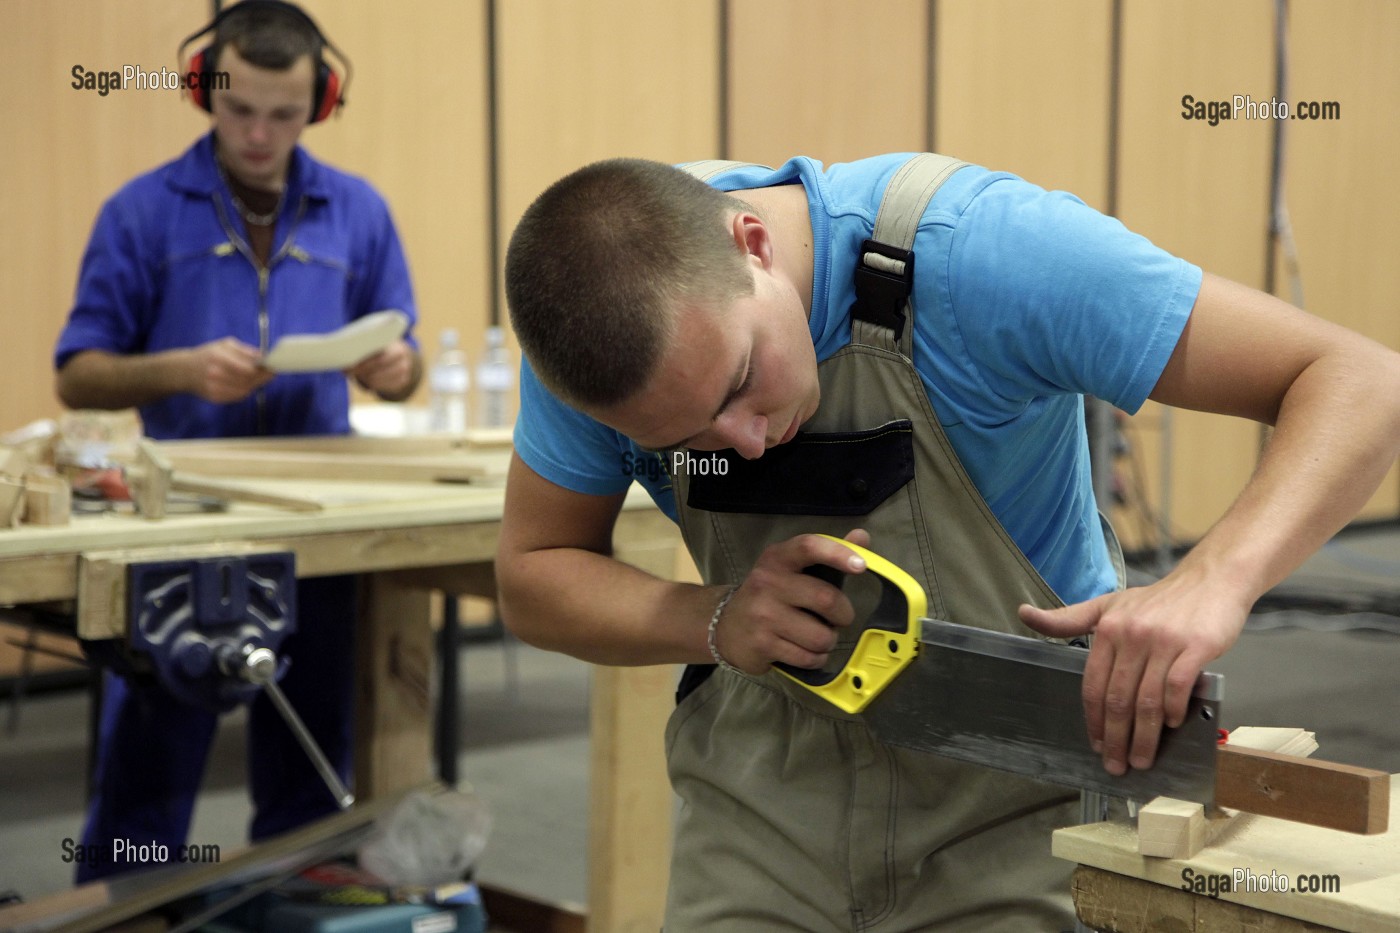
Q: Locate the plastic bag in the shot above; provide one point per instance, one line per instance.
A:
(428, 839)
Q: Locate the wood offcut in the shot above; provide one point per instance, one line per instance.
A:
(1320, 793)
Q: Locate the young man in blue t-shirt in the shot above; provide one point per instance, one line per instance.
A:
(658, 313)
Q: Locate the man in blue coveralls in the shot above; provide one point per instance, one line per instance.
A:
(193, 271)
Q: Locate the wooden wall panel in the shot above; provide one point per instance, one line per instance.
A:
(578, 83)
(1201, 192)
(1024, 88)
(415, 125)
(67, 151)
(582, 82)
(1342, 192)
(827, 79)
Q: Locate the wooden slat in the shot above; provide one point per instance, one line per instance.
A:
(314, 466)
(1320, 793)
(412, 445)
(236, 492)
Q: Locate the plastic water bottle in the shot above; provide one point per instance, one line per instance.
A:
(495, 383)
(448, 381)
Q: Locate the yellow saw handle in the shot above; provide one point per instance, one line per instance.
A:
(886, 646)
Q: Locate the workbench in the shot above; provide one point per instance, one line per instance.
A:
(408, 539)
(1335, 880)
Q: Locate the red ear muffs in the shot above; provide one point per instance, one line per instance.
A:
(198, 93)
(325, 94)
(328, 91)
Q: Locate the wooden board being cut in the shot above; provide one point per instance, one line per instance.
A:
(1367, 867)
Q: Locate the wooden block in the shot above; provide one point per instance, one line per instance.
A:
(34, 442)
(1320, 793)
(14, 462)
(48, 500)
(11, 501)
(1169, 828)
(487, 438)
(1285, 741)
(150, 480)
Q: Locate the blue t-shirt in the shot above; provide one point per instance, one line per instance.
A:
(1025, 300)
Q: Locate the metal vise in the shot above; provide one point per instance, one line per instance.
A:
(197, 621)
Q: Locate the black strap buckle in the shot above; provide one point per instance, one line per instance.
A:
(880, 294)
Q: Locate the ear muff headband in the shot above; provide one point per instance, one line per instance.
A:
(328, 90)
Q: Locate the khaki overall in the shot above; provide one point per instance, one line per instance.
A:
(793, 816)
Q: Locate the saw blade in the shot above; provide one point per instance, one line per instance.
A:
(1014, 703)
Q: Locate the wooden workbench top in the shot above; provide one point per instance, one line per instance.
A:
(1366, 868)
(362, 527)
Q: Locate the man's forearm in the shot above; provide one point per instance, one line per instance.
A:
(604, 611)
(98, 379)
(1336, 436)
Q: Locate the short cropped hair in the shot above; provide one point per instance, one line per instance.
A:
(270, 36)
(601, 262)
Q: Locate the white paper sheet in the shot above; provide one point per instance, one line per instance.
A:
(340, 349)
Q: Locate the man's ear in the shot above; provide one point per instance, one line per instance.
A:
(752, 237)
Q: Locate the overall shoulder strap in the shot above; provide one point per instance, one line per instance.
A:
(885, 271)
(706, 169)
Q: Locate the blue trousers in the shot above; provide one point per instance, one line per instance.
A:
(152, 748)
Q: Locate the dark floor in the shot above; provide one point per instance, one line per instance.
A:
(524, 745)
